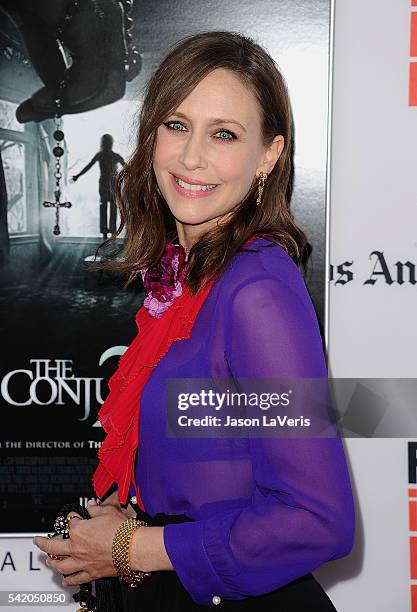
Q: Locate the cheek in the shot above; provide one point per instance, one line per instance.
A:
(164, 150)
(236, 165)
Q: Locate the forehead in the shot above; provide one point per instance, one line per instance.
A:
(222, 93)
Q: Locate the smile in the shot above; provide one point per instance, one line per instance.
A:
(191, 190)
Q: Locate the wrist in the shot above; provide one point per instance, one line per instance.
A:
(121, 553)
(147, 550)
(138, 556)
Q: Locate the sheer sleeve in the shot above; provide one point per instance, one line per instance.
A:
(301, 513)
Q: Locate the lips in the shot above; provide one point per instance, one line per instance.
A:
(192, 189)
(191, 181)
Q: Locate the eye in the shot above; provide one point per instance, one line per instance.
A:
(178, 126)
(227, 135)
(175, 126)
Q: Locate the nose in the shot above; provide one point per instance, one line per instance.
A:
(193, 154)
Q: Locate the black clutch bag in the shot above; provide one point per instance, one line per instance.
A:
(102, 595)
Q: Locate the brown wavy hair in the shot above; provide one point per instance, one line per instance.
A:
(145, 214)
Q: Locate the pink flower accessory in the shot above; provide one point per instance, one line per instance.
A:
(164, 281)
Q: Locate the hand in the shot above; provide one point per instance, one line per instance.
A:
(74, 178)
(88, 549)
(113, 500)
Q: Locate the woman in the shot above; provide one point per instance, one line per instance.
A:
(236, 522)
(108, 161)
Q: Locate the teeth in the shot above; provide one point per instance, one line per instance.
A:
(185, 185)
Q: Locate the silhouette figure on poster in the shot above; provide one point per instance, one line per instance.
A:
(108, 161)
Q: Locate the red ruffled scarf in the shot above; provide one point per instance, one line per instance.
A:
(120, 412)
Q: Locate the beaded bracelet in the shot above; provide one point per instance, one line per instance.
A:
(120, 553)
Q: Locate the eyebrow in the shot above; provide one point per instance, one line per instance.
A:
(214, 120)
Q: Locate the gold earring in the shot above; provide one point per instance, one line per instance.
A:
(261, 185)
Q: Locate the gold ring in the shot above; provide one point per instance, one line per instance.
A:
(69, 519)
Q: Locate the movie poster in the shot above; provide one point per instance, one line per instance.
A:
(64, 326)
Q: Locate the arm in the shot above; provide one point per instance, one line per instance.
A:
(87, 554)
(147, 548)
(86, 168)
(301, 514)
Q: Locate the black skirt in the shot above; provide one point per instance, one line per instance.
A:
(164, 592)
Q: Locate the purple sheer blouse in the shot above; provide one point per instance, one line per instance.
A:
(267, 510)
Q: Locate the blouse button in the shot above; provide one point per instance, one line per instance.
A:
(216, 600)
(134, 500)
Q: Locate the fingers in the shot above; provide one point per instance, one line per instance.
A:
(69, 570)
(63, 566)
(95, 510)
(72, 519)
(52, 546)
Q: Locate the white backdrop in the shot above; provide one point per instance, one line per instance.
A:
(371, 328)
(371, 331)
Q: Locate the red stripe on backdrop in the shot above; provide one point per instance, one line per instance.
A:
(412, 97)
(414, 598)
(413, 558)
(412, 515)
(413, 35)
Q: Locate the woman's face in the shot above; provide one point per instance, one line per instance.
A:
(209, 151)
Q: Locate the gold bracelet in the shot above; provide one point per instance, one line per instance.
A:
(120, 553)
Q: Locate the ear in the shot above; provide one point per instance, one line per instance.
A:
(271, 155)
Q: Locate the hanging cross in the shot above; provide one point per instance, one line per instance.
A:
(58, 152)
(57, 205)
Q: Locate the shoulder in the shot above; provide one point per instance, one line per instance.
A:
(262, 258)
(263, 273)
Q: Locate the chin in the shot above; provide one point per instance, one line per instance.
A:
(190, 219)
